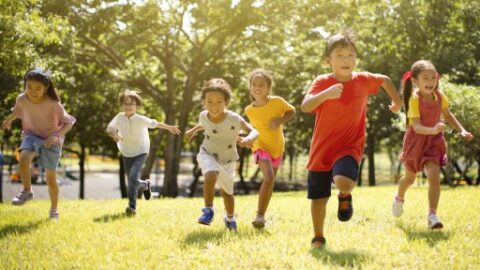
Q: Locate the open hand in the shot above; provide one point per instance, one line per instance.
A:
(174, 130)
(466, 135)
(395, 107)
(6, 124)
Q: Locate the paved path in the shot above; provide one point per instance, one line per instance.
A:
(98, 185)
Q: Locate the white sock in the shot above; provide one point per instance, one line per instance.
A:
(230, 219)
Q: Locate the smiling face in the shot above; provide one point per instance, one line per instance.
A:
(129, 106)
(35, 91)
(259, 87)
(426, 82)
(342, 60)
(215, 104)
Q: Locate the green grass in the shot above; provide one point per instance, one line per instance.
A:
(164, 234)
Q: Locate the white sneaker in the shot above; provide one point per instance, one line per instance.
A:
(397, 208)
(22, 197)
(259, 222)
(434, 222)
(54, 215)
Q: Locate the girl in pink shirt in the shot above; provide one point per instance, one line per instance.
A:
(44, 125)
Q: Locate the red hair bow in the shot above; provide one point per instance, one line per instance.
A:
(407, 75)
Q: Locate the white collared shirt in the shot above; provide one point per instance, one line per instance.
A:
(134, 132)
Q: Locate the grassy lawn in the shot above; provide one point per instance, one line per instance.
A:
(165, 235)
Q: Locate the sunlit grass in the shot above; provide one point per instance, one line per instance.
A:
(165, 235)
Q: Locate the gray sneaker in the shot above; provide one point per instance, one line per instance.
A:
(54, 215)
(22, 197)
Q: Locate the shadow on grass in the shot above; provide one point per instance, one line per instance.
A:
(19, 229)
(205, 236)
(346, 258)
(431, 237)
(110, 217)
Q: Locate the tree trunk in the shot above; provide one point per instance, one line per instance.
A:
(478, 171)
(360, 169)
(81, 165)
(291, 157)
(371, 159)
(240, 170)
(123, 184)
(152, 155)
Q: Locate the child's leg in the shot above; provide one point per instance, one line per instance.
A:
(133, 167)
(51, 176)
(433, 175)
(229, 202)
(318, 211)
(265, 192)
(344, 184)
(405, 182)
(26, 158)
(209, 188)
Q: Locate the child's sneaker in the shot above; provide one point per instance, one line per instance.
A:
(231, 225)
(259, 222)
(434, 222)
(345, 208)
(54, 215)
(318, 242)
(397, 208)
(147, 193)
(207, 216)
(130, 211)
(22, 197)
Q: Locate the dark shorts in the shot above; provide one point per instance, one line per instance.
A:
(320, 183)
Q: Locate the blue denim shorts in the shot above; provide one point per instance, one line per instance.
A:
(47, 157)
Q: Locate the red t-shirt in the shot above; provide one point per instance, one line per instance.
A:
(340, 123)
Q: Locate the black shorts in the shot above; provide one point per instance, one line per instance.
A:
(320, 183)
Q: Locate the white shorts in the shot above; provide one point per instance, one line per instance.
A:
(226, 172)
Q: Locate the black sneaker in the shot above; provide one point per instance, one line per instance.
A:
(147, 193)
(318, 242)
(130, 211)
(345, 208)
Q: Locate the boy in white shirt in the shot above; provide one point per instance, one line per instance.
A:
(130, 131)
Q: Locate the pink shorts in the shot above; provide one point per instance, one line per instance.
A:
(264, 155)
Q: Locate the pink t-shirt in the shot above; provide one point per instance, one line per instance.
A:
(41, 119)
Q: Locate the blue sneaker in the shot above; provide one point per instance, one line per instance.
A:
(231, 225)
(207, 217)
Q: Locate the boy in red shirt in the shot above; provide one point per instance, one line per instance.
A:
(339, 102)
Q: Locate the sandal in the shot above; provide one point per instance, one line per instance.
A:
(318, 242)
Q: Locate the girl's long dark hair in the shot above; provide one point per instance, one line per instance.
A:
(406, 84)
(42, 76)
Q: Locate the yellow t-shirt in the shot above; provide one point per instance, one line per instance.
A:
(269, 140)
(413, 106)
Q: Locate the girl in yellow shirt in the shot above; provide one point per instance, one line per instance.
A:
(267, 114)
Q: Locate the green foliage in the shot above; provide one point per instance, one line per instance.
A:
(165, 235)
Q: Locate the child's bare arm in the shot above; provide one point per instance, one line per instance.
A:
(452, 120)
(189, 134)
(421, 129)
(276, 122)
(172, 129)
(7, 124)
(311, 102)
(250, 138)
(392, 92)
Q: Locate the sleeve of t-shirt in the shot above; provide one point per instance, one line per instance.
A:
(64, 116)
(114, 123)
(445, 101)
(317, 85)
(17, 109)
(373, 82)
(413, 108)
(286, 106)
(148, 122)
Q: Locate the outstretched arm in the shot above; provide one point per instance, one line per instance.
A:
(250, 138)
(7, 124)
(392, 92)
(452, 120)
(189, 134)
(172, 129)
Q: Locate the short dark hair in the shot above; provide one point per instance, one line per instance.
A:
(343, 39)
(127, 93)
(217, 85)
(42, 76)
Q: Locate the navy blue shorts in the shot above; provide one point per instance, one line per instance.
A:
(320, 183)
